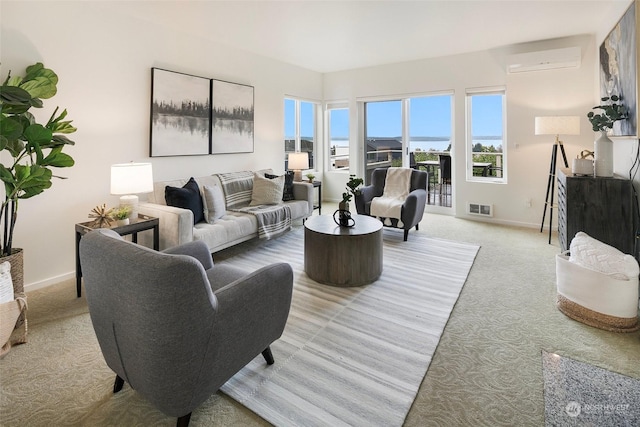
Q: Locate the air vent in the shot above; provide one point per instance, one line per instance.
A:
(479, 209)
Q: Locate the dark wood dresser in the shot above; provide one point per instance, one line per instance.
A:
(604, 208)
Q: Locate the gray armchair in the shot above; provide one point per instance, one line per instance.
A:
(173, 325)
(413, 207)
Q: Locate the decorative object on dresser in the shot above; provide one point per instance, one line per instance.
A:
(555, 125)
(581, 165)
(30, 151)
(603, 122)
(129, 179)
(604, 208)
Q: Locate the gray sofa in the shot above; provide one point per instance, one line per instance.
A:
(177, 224)
(173, 325)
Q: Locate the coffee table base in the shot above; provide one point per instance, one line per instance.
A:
(343, 257)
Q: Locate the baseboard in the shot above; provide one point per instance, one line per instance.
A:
(49, 282)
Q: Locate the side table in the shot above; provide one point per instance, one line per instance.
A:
(318, 185)
(142, 223)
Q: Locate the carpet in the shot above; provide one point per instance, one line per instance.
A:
(577, 393)
(354, 356)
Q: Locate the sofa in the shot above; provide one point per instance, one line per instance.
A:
(226, 215)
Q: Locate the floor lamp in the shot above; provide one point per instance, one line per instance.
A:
(555, 125)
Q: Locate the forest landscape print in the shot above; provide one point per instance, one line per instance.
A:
(180, 108)
(231, 118)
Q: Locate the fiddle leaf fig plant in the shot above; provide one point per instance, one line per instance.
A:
(29, 150)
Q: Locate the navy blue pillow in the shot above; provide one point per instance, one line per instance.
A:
(187, 197)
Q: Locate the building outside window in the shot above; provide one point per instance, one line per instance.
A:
(486, 135)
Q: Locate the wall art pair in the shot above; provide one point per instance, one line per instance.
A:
(193, 115)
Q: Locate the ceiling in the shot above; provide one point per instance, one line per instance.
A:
(327, 36)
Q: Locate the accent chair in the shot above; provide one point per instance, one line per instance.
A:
(173, 325)
(413, 206)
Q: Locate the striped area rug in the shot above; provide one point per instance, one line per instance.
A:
(354, 356)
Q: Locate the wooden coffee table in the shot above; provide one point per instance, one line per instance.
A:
(343, 256)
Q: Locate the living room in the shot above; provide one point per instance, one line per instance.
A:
(103, 55)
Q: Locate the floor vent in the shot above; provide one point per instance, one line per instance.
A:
(479, 209)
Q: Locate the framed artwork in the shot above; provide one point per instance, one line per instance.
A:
(180, 114)
(618, 70)
(231, 118)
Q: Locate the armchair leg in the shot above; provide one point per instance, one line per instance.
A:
(406, 234)
(183, 421)
(417, 226)
(268, 356)
(117, 385)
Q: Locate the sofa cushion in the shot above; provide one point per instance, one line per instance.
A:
(266, 191)
(287, 193)
(213, 200)
(187, 197)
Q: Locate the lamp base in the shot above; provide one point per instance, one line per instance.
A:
(132, 202)
(297, 175)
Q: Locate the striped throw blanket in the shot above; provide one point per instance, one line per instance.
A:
(237, 187)
(273, 220)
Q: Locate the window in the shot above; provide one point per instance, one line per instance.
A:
(486, 142)
(383, 135)
(414, 132)
(338, 131)
(299, 128)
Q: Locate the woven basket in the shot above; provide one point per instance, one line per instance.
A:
(9, 314)
(16, 259)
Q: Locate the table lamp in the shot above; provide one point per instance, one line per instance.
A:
(555, 125)
(129, 179)
(297, 162)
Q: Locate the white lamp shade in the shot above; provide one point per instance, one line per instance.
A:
(298, 161)
(131, 178)
(558, 125)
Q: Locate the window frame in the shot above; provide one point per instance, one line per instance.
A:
(469, 93)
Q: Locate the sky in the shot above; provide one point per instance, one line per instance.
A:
(429, 116)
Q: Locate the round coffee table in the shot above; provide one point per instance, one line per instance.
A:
(343, 256)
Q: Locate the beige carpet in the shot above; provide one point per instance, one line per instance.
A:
(486, 370)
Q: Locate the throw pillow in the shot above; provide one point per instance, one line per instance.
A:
(266, 191)
(214, 206)
(187, 197)
(287, 194)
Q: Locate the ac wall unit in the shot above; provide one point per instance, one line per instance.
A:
(569, 57)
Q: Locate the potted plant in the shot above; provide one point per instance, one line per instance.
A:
(310, 177)
(121, 214)
(344, 215)
(29, 149)
(611, 111)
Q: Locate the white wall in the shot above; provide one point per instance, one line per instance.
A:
(551, 92)
(103, 60)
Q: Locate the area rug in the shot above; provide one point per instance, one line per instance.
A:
(577, 393)
(354, 356)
